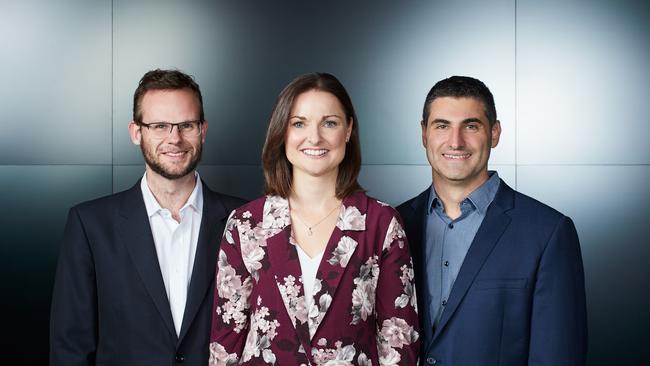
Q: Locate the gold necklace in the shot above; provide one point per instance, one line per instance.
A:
(309, 228)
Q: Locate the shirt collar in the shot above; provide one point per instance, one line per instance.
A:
(484, 194)
(481, 197)
(195, 200)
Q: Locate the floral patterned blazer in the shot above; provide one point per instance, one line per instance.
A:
(364, 309)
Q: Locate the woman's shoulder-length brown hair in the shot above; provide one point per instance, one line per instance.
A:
(277, 168)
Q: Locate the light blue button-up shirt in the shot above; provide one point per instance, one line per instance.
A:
(447, 243)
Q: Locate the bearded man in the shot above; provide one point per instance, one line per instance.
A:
(134, 282)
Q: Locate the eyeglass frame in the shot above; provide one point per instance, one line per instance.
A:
(197, 121)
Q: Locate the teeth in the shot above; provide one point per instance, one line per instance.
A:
(311, 152)
(458, 157)
(175, 154)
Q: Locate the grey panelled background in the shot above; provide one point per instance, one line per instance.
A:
(571, 79)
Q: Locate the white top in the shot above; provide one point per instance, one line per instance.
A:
(175, 244)
(309, 267)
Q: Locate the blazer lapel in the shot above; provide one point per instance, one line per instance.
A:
(212, 225)
(284, 262)
(494, 224)
(338, 254)
(415, 226)
(135, 233)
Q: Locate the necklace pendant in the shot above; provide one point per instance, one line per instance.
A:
(309, 232)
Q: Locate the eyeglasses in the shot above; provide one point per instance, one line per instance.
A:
(164, 129)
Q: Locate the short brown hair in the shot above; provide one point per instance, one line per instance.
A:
(161, 80)
(277, 168)
(461, 87)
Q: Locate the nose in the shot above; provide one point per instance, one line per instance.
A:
(314, 136)
(456, 140)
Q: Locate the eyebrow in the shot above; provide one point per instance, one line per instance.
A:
(324, 117)
(332, 115)
(465, 121)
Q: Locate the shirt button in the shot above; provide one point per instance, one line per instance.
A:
(451, 226)
(444, 302)
(431, 361)
(446, 263)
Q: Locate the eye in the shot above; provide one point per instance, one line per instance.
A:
(330, 124)
(158, 126)
(473, 126)
(188, 126)
(440, 126)
(298, 124)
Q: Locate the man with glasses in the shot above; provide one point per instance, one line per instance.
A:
(134, 283)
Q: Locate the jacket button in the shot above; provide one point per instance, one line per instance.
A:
(180, 358)
(432, 361)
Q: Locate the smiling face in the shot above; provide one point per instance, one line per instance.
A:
(174, 156)
(458, 138)
(316, 134)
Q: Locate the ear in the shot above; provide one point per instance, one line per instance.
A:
(135, 131)
(348, 133)
(496, 133)
(204, 131)
(423, 124)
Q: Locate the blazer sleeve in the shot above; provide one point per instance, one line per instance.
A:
(231, 310)
(73, 318)
(559, 316)
(396, 303)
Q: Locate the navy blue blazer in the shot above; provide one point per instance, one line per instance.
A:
(519, 298)
(109, 305)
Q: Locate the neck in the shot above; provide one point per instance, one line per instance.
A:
(171, 193)
(315, 192)
(452, 193)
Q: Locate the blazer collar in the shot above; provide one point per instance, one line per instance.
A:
(213, 221)
(135, 233)
(276, 214)
(494, 224)
(284, 262)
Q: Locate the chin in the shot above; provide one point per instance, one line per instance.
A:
(317, 172)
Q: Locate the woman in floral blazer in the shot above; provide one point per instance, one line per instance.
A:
(362, 306)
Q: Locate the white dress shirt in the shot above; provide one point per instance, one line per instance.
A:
(175, 244)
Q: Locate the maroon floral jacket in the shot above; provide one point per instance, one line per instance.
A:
(364, 309)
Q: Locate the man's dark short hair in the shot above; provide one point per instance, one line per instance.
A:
(462, 87)
(164, 80)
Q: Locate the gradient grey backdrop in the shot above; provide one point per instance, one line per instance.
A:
(570, 79)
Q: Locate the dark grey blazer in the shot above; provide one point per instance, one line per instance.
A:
(109, 305)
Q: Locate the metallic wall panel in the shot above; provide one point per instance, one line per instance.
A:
(125, 176)
(245, 181)
(35, 201)
(583, 82)
(610, 206)
(395, 184)
(388, 55)
(56, 82)
(413, 45)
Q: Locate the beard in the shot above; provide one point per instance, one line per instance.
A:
(157, 166)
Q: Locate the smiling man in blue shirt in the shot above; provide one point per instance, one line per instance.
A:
(499, 275)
